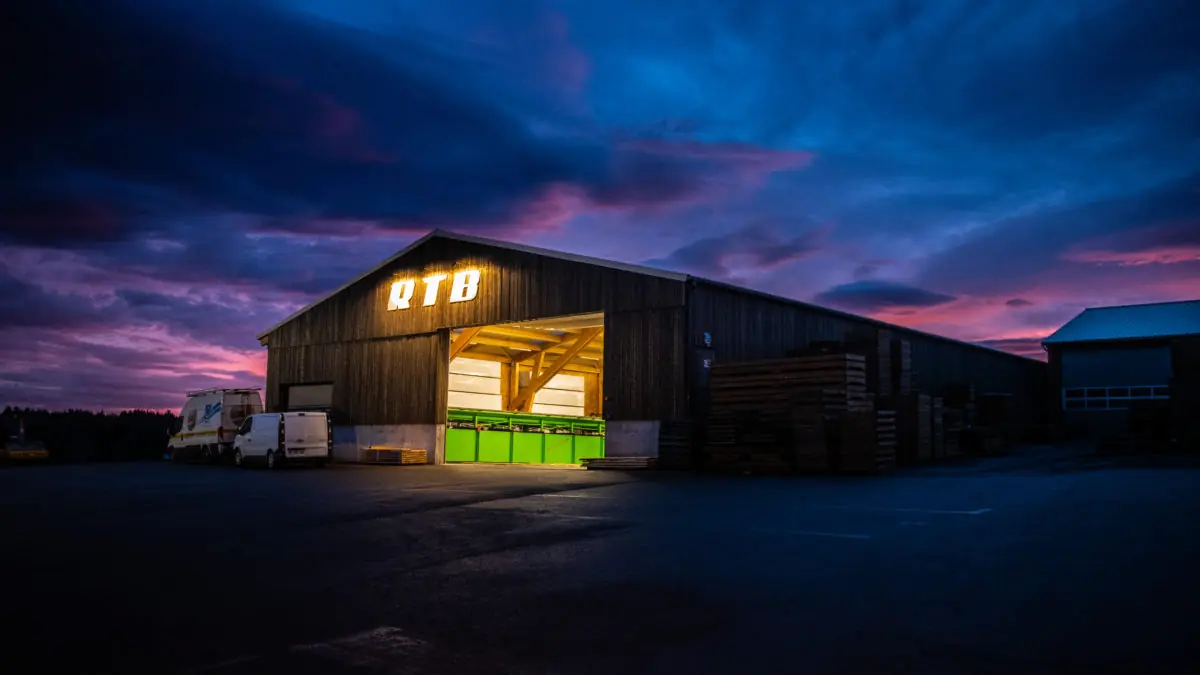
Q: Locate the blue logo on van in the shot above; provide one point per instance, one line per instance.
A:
(211, 410)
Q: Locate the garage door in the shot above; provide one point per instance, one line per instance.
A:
(487, 436)
(310, 397)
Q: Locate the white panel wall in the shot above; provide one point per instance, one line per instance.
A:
(474, 384)
(562, 395)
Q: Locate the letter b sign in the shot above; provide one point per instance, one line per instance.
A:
(464, 286)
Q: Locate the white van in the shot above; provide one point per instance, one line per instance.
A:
(276, 439)
(209, 420)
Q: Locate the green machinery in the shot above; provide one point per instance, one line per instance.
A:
(523, 438)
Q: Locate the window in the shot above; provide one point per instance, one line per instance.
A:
(246, 426)
(1110, 398)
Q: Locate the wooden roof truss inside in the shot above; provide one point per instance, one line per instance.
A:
(544, 349)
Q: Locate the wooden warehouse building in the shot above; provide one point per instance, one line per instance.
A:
(480, 350)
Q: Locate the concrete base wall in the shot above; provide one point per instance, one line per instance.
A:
(349, 441)
(623, 438)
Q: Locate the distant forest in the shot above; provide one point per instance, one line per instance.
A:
(81, 435)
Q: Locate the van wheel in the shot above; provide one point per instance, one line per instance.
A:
(272, 462)
(206, 454)
(237, 458)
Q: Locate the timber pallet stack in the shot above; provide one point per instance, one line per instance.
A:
(903, 377)
(953, 428)
(886, 438)
(937, 434)
(770, 416)
(876, 346)
(618, 463)
(915, 425)
(857, 448)
(675, 444)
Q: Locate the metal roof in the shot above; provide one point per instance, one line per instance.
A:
(1131, 322)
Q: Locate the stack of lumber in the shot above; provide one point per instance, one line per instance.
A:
(937, 434)
(962, 397)
(886, 437)
(915, 426)
(619, 463)
(675, 444)
(856, 448)
(952, 423)
(903, 379)
(810, 446)
(876, 346)
(386, 454)
(771, 415)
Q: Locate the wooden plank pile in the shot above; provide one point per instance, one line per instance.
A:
(952, 428)
(619, 463)
(914, 423)
(962, 397)
(675, 444)
(937, 434)
(903, 377)
(386, 454)
(779, 415)
(876, 346)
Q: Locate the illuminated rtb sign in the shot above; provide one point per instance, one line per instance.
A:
(465, 286)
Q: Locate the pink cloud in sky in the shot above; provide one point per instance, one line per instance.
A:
(1168, 244)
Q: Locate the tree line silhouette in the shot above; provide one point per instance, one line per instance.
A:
(83, 435)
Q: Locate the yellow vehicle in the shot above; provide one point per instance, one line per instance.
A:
(28, 453)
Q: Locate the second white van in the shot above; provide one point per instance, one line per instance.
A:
(278, 439)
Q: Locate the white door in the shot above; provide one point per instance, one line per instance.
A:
(306, 434)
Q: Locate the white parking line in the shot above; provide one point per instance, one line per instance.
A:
(811, 533)
(975, 512)
(563, 495)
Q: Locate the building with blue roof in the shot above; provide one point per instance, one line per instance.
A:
(1108, 361)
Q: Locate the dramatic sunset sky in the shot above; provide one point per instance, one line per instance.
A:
(180, 175)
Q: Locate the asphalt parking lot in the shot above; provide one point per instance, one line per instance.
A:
(1029, 564)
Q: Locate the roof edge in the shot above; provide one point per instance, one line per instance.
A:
(857, 317)
(482, 241)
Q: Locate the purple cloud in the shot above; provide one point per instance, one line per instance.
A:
(874, 295)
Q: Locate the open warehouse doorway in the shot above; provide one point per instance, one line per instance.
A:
(528, 393)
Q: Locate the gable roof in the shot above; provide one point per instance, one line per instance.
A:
(483, 241)
(636, 269)
(1131, 322)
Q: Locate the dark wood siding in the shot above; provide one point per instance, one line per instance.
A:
(645, 375)
(513, 286)
(391, 381)
(389, 367)
(746, 325)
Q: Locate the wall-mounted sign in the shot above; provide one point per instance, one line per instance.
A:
(463, 287)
